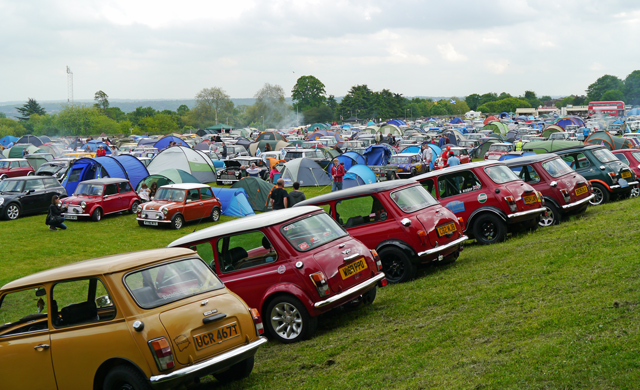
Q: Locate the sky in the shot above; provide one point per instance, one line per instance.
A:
(160, 49)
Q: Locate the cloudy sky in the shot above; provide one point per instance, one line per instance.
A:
(160, 49)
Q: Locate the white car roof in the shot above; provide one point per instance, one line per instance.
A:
(185, 186)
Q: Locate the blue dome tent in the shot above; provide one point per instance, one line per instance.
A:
(163, 143)
(8, 141)
(633, 112)
(94, 144)
(134, 168)
(396, 122)
(377, 155)
(146, 141)
(234, 201)
(92, 168)
(358, 175)
(455, 121)
(359, 159)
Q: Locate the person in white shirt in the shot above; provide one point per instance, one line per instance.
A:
(427, 156)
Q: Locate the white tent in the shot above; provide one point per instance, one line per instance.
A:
(194, 162)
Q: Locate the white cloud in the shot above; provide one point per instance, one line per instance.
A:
(449, 53)
(497, 66)
(596, 66)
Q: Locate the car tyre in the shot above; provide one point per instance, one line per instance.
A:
(125, 377)
(134, 207)
(96, 216)
(288, 320)
(489, 229)
(215, 214)
(12, 211)
(140, 223)
(30, 173)
(370, 296)
(177, 221)
(552, 217)
(236, 372)
(2, 177)
(601, 195)
(413, 172)
(396, 265)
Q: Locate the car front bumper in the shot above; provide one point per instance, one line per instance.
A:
(153, 220)
(353, 291)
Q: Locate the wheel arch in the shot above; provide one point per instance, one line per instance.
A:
(593, 181)
(287, 289)
(552, 201)
(481, 211)
(398, 244)
(108, 365)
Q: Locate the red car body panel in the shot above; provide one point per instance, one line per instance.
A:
(16, 167)
(116, 195)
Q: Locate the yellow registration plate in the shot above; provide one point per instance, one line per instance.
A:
(530, 199)
(216, 336)
(581, 190)
(625, 174)
(351, 269)
(446, 229)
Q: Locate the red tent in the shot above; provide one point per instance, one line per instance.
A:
(490, 119)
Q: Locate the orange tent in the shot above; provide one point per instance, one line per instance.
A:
(490, 119)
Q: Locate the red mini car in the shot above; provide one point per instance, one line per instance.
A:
(564, 190)
(489, 197)
(176, 204)
(292, 264)
(15, 167)
(631, 157)
(498, 150)
(461, 153)
(398, 218)
(98, 197)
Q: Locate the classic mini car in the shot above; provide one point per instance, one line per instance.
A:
(631, 157)
(28, 195)
(564, 190)
(461, 153)
(401, 220)
(236, 168)
(406, 164)
(292, 264)
(175, 204)
(55, 168)
(15, 167)
(497, 150)
(158, 318)
(607, 174)
(99, 197)
(488, 196)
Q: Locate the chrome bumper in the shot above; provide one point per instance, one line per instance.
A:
(353, 290)
(77, 215)
(443, 247)
(570, 205)
(206, 367)
(523, 213)
(153, 220)
(631, 183)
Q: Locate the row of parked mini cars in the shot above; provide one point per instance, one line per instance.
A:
(200, 306)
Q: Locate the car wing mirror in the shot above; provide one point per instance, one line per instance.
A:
(189, 200)
(103, 301)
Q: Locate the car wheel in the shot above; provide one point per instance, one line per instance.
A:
(97, 215)
(369, 296)
(288, 320)
(140, 223)
(12, 211)
(489, 229)
(177, 221)
(125, 377)
(215, 214)
(413, 172)
(635, 191)
(396, 265)
(601, 195)
(134, 207)
(236, 372)
(30, 173)
(552, 217)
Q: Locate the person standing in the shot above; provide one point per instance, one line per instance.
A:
(279, 196)
(337, 173)
(453, 160)
(519, 145)
(441, 142)
(55, 219)
(427, 156)
(101, 152)
(296, 196)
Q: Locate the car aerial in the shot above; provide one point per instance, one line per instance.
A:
(564, 190)
(497, 150)
(99, 197)
(235, 169)
(488, 196)
(158, 318)
(15, 167)
(175, 204)
(28, 195)
(56, 168)
(461, 153)
(405, 165)
(609, 177)
(631, 157)
(292, 265)
(401, 220)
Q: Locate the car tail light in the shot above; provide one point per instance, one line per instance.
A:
(383, 282)
(461, 220)
(423, 235)
(614, 179)
(320, 281)
(376, 257)
(512, 203)
(257, 321)
(161, 351)
(565, 195)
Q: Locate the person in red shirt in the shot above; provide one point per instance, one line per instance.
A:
(337, 172)
(101, 152)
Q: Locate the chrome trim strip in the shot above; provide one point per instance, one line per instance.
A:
(522, 213)
(353, 256)
(153, 220)
(352, 290)
(588, 198)
(443, 247)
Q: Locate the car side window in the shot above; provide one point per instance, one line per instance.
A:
(125, 187)
(622, 158)
(468, 182)
(528, 174)
(245, 250)
(24, 311)
(15, 164)
(110, 189)
(24, 164)
(51, 183)
(82, 301)
(35, 185)
(359, 211)
(206, 193)
(193, 195)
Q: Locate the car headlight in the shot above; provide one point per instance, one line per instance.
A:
(165, 211)
(83, 204)
(139, 209)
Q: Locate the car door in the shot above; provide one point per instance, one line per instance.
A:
(125, 194)
(366, 218)
(110, 201)
(35, 198)
(461, 192)
(194, 208)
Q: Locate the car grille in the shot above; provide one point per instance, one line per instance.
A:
(228, 176)
(151, 214)
(75, 209)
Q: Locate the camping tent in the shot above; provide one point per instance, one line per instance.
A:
(377, 155)
(94, 144)
(92, 168)
(16, 150)
(306, 172)
(610, 141)
(484, 147)
(257, 191)
(633, 112)
(234, 201)
(163, 143)
(168, 176)
(456, 120)
(540, 147)
(497, 127)
(270, 136)
(396, 122)
(275, 146)
(489, 120)
(51, 148)
(358, 175)
(390, 129)
(8, 141)
(359, 159)
(191, 161)
(37, 159)
(30, 139)
(550, 130)
(220, 127)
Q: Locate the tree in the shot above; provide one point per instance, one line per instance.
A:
(308, 93)
(139, 113)
(2, 115)
(612, 95)
(213, 103)
(183, 110)
(318, 115)
(29, 108)
(473, 101)
(632, 88)
(602, 85)
(271, 109)
(531, 97)
(102, 100)
(359, 98)
(11, 127)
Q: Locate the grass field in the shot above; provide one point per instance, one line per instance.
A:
(555, 309)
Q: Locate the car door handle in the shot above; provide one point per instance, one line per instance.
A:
(41, 347)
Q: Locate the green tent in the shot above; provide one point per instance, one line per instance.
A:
(390, 129)
(258, 192)
(37, 159)
(540, 147)
(16, 150)
(168, 176)
(497, 127)
(550, 130)
(482, 149)
(611, 142)
(220, 126)
(317, 126)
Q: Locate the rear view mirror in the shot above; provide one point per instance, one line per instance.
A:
(41, 292)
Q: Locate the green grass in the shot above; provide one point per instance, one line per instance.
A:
(555, 309)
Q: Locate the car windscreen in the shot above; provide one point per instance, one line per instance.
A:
(413, 198)
(556, 167)
(89, 189)
(501, 174)
(170, 194)
(399, 160)
(604, 156)
(11, 185)
(170, 282)
(312, 232)
(53, 168)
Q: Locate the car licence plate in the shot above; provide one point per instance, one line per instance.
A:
(71, 217)
(151, 223)
(353, 268)
(216, 336)
(581, 190)
(530, 199)
(625, 174)
(446, 229)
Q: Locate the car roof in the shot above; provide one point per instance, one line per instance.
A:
(406, 154)
(501, 144)
(579, 147)
(185, 186)
(14, 159)
(99, 266)
(530, 159)
(357, 191)
(26, 178)
(456, 168)
(104, 180)
(625, 150)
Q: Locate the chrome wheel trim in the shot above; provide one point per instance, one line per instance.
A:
(13, 211)
(547, 220)
(635, 191)
(286, 320)
(598, 196)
